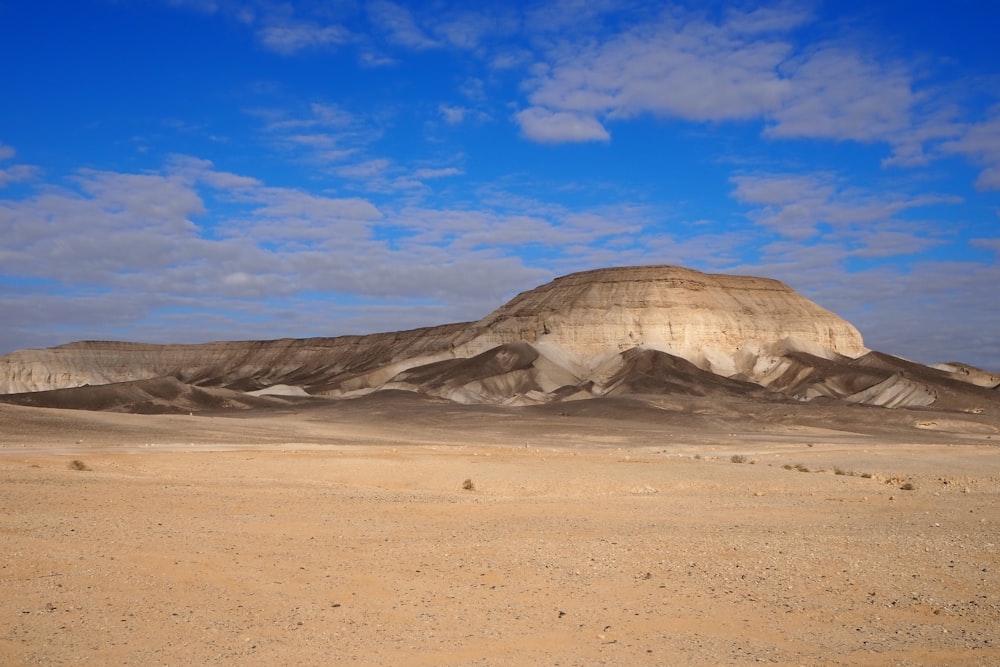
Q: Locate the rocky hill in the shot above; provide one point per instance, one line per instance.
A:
(635, 331)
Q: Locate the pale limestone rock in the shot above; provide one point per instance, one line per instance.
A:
(720, 323)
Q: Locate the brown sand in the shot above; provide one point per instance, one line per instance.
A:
(347, 538)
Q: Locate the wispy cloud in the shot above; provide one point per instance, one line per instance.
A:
(796, 206)
(290, 38)
(18, 174)
(453, 115)
(981, 143)
(428, 173)
(399, 25)
(317, 132)
(365, 170)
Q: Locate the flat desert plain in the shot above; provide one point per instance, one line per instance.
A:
(597, 536)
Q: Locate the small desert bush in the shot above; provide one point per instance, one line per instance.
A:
(907, 486)
(737, 458)
(77, 464)
(468, 485)
(801, 468)
(851, 473)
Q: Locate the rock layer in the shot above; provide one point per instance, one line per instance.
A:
(704, 318)
(638, 331)
(247, 365)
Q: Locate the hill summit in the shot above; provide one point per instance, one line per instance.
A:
(631, 331)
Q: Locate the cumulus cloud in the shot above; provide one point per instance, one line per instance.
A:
(836, 93)
(743, 66)
(693, 70)
(546, 126)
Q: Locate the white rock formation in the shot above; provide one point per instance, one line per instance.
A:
(720, 323)
(576, 327)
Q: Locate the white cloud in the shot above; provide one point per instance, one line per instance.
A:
(778, 19)
(193, 170)
(547, 126)
(400, 26)
(748, 66)
(795, 205)
(18, 173)
(290, 38)
(561, 16)
(331, 114)
(287, 204)
(991, 244)
(437, 173)
(467, 30)
(688, 69)
(316, 114)
(367, 169)
(980, 142)
(318, 132)
(452, 115)
(836, 93)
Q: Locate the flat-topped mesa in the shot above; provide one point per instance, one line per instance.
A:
(710, 319)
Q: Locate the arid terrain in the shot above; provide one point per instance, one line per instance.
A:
(636, 466)
(600, 532)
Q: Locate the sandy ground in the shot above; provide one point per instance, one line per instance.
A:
(348, 538)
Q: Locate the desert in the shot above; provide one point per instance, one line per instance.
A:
(563, 482)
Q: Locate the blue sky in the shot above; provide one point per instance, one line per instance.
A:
(193, 170)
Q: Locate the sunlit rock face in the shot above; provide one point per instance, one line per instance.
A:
(718, 322)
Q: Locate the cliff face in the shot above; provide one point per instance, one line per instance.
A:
(707, 319)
